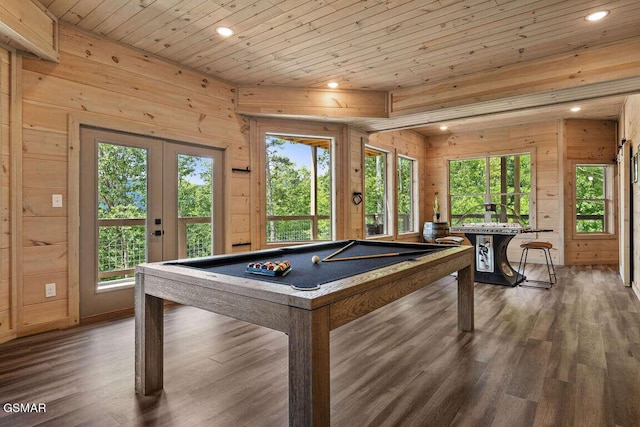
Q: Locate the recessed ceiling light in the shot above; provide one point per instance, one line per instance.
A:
(575, 109)
(443, 127)
(225, 31)
(333, 85)
(596, 16)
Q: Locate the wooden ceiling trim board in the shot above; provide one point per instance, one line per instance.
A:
(140, 27)
(196, 32)
(78, 12)
(127, 12)
(100, 13)
(163, 26)
(60, 7)
(142, 19)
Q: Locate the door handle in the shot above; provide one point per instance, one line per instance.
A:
(156, 233)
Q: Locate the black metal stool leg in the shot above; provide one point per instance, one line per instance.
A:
(550, 267)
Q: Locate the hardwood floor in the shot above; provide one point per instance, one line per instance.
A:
(565, 357)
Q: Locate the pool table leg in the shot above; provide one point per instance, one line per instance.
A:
(149, 340)
(309, 367)
(465, 298)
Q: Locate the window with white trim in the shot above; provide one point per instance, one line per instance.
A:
(490, 189)
(406, 182)
(298, 187)
(594, 199)
(376, 191)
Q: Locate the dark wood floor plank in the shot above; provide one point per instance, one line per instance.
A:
(569, 356)
(555, 407)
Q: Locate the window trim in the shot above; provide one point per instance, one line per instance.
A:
(610, 214)
(314, 216)
(249, 230)
(389, 225)
(415, 196)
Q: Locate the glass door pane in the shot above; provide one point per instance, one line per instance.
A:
(195, 206)
(122, 213)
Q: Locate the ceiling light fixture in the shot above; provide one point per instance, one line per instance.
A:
(225, 31)
(333, 85)
(443, 127)
(575, 109)
(596, 16)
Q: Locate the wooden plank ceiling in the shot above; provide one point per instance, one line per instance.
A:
(362, 44)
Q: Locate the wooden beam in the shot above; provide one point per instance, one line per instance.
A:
(30, 27)
(612, 63)
(281, 101)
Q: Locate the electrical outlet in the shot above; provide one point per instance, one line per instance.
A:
(56, 200)
(50, 290)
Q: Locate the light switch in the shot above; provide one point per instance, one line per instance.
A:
(56, 200)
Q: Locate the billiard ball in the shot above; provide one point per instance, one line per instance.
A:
(315, 259)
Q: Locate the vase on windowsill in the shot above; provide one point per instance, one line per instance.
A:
(436, 210)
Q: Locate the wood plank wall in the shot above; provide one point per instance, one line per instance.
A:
(357, 141)
(540, 139)
(630, 129)
(410, 144)
(588, 142)
(6, 327)
(123, 89)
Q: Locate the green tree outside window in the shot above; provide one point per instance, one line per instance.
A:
(591, 201)
(501, 181)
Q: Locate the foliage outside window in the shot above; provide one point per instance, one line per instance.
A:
(298, 188)
(407, 195)
(195, 205)
(477, 185)
(375, 191)
(591, 199)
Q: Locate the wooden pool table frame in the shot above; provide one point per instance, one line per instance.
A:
(306, 316)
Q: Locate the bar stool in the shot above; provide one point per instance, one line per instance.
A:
(450, 240)
(546, 248)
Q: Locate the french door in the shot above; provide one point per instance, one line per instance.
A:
(142, 199)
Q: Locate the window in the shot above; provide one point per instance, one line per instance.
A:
(490, 189)
(375, 191)
(407, 195)
(593, 198)
(298, 188)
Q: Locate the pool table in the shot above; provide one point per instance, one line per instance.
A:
(352, 279)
